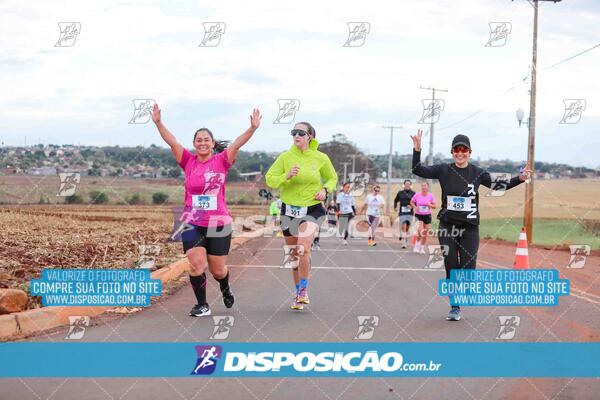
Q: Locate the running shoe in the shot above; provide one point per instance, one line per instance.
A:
(370, 242)
(200, 310)
(417, 248)
(423, 251)
(227, 297)
(403, 245)
(296, 305)
(454, 314)
(302, 296)
(344, 242)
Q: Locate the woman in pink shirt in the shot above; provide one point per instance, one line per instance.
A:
(207, 235)
(422, 202)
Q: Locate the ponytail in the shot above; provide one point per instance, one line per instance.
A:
(220, 145)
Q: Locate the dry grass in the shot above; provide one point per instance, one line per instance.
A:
(557, 199)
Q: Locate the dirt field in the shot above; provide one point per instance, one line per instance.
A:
(83, 236)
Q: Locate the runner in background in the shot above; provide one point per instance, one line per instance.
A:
(373, 204)
(347, 210)
(275, 211)
(405, 211)
(332, 216)
(304, 177)
(208, 235)
(316, 245)
(422, 202)
(459, 213)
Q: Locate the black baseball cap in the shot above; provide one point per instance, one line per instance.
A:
(461, 140)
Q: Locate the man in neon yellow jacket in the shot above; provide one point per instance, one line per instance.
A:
(304, 177)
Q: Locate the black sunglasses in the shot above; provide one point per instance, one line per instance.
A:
(299, 132)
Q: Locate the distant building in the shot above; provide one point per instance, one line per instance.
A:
(45, 171)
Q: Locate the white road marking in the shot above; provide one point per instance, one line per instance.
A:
(341, 268)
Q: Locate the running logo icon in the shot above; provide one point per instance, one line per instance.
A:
(68, 183)
(579, 253)
(207, 359)
(508, 327)
(357, 34)
(212, 34)
(499, 32)
(432, 109)
(291, 256)
(499, 184)
(147, 256)
(573, 110)
(68, 34)
(436, 256)
(77, 325)
(181, 218)
(366, 326)
(358, 183)
(141, 111)
(287, 111)
(223, 325)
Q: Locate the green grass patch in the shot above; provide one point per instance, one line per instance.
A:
(546, 232)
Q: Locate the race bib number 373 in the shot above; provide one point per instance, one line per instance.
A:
(203, 202)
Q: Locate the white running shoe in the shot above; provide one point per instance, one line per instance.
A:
(417, 248)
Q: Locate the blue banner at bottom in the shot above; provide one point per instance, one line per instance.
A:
(299, 359)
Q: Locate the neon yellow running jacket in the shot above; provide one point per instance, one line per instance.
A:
(315, 172)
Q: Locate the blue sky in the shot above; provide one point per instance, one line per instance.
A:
(272, 50)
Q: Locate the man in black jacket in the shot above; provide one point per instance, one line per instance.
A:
(405, 212)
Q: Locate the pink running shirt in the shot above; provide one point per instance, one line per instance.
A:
(208, 179)
(421, 201)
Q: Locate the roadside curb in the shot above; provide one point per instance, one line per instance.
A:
(24, 323)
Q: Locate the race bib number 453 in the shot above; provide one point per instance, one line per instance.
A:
(203, 202)
(458, 203)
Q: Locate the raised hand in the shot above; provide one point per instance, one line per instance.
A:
(255, 119)
(525, 173)
(417, 140)
(156, 114)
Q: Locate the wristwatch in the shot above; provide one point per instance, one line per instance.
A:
(326, 191)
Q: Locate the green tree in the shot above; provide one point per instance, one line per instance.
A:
(160, 198)
(98, 197)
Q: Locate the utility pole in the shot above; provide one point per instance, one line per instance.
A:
(345, 170)
(528, 211)
(388, 199)
(353, 163)
(431, 125)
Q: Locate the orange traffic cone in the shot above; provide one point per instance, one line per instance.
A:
(522, 254)
(413, 240)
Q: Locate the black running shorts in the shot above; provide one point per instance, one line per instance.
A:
(215, 240)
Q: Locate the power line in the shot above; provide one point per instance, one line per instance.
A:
(513, 87)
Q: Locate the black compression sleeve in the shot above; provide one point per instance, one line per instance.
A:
(430, 172)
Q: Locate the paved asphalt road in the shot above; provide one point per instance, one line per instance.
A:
(347, 282)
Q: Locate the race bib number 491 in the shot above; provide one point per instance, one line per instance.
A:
(295, 211)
